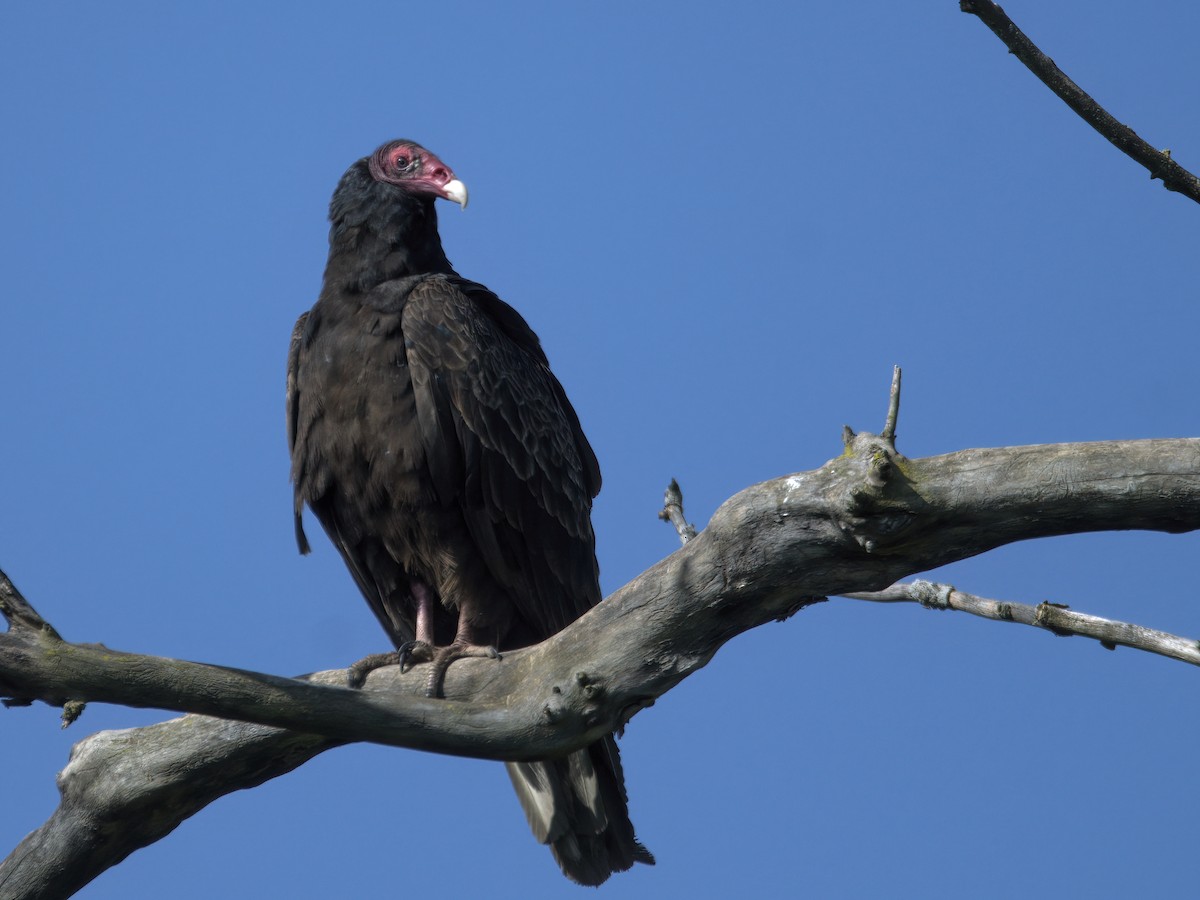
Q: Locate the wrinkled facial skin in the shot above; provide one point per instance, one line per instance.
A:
(410, 166)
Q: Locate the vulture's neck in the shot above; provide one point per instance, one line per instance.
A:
(383, 242)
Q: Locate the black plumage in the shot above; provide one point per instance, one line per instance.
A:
(446, 464)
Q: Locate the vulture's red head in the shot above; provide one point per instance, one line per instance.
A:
(409, 166)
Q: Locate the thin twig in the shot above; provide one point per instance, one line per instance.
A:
(1158, 162)
(672, 512)
(889, 426)
(18, 611)
(23, 620)
(1053, 617)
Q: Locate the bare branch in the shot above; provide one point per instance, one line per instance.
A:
(672, 512)
(860, 522)
(1158, 162)
(52, 670)
(889, 425)
(23, 621)
(1053, 617)
(123, 790)
(17, 611)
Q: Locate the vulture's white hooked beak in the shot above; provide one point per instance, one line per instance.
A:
(455, 190)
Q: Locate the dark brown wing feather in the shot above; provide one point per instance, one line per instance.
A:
(504, 445)
(293, 402)
(343, 397)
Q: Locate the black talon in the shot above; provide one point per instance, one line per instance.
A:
(410, 653)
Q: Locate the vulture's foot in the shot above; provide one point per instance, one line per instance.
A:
(410, 653)
(360, 670)
(440, 658)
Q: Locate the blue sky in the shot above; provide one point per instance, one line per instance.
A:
(727, 223)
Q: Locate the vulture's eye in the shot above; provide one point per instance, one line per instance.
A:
(403, 162)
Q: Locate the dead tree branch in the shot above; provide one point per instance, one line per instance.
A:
(672, 512)
(1157, 162)
(1053, 617)
(860, 522)
(893, 413)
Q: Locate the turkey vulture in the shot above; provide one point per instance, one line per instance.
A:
(447, 466)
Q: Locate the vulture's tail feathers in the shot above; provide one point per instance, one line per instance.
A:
(578, 806)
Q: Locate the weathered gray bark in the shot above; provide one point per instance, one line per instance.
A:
(858, 523)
